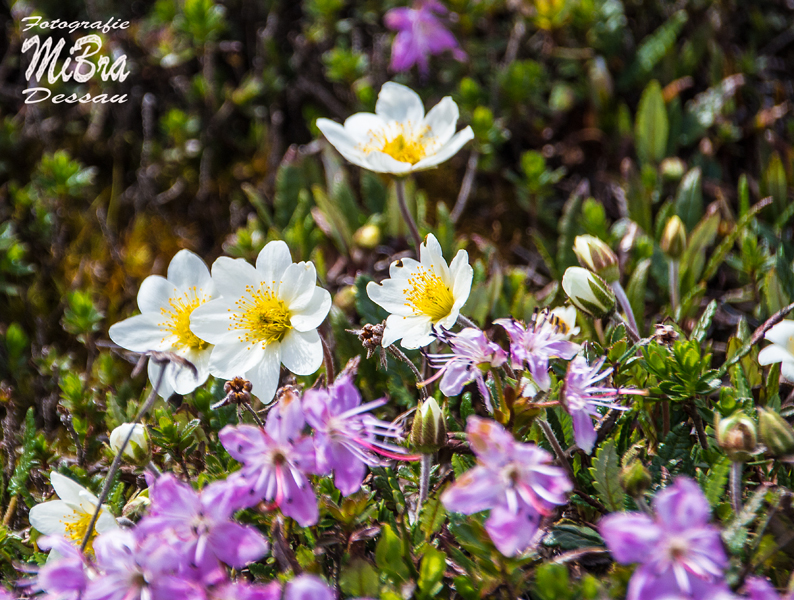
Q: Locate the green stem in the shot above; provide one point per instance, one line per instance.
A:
(558, 451)
(409, 220)
(736, 487)
(424, 482)
(674, 290)
(500, 393)
(623, 299)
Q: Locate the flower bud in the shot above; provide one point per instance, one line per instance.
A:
(367, 236)
(672, 168)
(595, 255)
(429, 431)
(776, 433)
(736, 436)
(588, 292)
(674, 238)
(635, 478)
(137, 449)
(135, 508)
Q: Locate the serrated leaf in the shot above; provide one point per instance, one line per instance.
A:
(652, 127)
(605, 471)
(716, 481)
(433, 515)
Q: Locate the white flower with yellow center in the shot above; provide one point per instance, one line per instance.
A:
(265, 316)
(420, 295)
(70, 515)
(399, 138)
(782, 348)
(164, 323)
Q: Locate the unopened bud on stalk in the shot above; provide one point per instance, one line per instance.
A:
(635, 478)
(776, 433)
(736, 436)
(429, 431)
(367, 236)
(674, 238)
(588, 292)
(595, 255)
(137, 449)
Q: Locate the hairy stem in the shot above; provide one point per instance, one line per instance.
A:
(114, 467)
(674, 290)
(328, 360)
(409, 220)
(623, 299)
(632, 333)
(424, 482)
(251, 410)
(558, 451)
(466, 322)
(736, 487)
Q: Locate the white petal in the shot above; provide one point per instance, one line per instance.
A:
(302, 351)
(379, 162)
(106, 521)
(399, 103)
(462, 275)
(452, 318)
(187, 270)
(68, 489)
(433, 259)
(184, 380)
(403, 268)
(446, 151)
(140, 333)
(442, 120)
(390, 295)
(232, 276)
(341, 139)
(363, 127)
(297, 285)
(154, 294)
(165, 390)
(49, 517)
(211, 321)
(314, 313)
(201, 360)
(415, 326)
(774, 354)
(272, 262)
(787, 368)
(781, 334)
(233, 358)
(264, 376)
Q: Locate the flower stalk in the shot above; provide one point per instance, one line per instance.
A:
(623, 300)
(399, 183)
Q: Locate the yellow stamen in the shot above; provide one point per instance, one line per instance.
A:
(265, 318)
(177, 320)
(428, 295)
(401, 143)
(77, 527)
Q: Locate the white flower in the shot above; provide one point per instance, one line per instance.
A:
(399, 138)
(782, 348)
(588, 292)
(563, 318)
(69, 517)
(164, 322)
(420, 295)
(265, 316)
(139, 439)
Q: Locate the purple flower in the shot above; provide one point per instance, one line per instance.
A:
(344, 438)
(582, 398)
(472, 355)
(130, 568)
(420, 34)
(758, 588)
(202, 522)
(64, 576)
(679, 552)
(308, 587)
(545, 338)
(240, 590)
(276, 460)
(516, 481)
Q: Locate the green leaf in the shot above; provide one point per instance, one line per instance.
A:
(570, 537)
(774, 183)
(689, 199)
(433, 515)
(635, 290)
(431, 572)
(552, 582)
(389, 555)
(605, 470)
(716, 481)
(359, 579)
(704, 323)
(652, 127)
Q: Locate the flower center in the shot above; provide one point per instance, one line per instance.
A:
(177, 320)
(402, 143)
(677, 548)
(428, 295)
(265, 318)
(77, 527)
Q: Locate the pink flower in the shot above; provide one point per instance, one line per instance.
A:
(680, 553)
(543, 339)
(345, 437)
(582, 399)
(276, 460)
(420, 34)
(516, 481)
(472, 355)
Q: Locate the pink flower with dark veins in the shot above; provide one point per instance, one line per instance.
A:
(516, 481)
(420, 33)
(277, 460)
